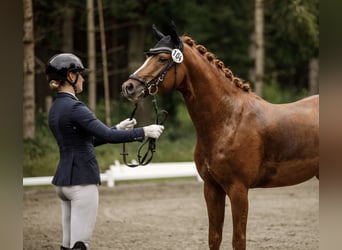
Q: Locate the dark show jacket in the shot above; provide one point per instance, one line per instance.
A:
(77, 131)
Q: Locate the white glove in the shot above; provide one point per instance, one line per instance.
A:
(126, 124)
(153, 131)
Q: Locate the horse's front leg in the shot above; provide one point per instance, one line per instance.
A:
(215, 199)
(238, 195)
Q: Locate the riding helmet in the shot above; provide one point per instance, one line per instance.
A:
(60, 65)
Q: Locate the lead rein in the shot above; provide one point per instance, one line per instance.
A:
(151, 141)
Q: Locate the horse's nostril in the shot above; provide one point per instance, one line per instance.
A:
(129, 88)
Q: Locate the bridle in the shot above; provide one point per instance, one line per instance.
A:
(151, 88)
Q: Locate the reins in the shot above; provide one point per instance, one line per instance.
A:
(146, 157)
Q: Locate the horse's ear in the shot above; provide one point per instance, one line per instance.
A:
(174, 36)
(157, 33)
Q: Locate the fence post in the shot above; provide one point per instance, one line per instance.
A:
(110, 178)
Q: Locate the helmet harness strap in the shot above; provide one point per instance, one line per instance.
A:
(73, 84)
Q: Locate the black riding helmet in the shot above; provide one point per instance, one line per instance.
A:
(60, 65)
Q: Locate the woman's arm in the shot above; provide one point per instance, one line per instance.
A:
(103, 134)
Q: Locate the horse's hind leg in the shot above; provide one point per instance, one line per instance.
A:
(238, 195)
(215, 199)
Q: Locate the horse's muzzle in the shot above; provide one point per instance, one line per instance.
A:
(131, 91)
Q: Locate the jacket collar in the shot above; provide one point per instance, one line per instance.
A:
(66, 94)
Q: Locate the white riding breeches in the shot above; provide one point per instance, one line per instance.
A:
(79, 211)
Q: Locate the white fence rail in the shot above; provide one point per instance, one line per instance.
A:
(120, 172)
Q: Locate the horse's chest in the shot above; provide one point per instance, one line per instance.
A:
(213, 162)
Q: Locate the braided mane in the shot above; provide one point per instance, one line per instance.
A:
(219, 64)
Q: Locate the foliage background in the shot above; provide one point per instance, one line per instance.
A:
(225, 28)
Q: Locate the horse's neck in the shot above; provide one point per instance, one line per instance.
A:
(208, 95)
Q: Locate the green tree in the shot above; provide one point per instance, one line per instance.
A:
(292, 40)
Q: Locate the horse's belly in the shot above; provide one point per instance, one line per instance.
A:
(277, 174)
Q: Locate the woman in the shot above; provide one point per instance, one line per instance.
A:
(77, 131)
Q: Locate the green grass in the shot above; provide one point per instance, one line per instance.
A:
(275, 94)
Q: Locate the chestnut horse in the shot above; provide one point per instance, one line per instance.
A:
(243, 141)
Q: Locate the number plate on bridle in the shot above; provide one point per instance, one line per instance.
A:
(177, 56)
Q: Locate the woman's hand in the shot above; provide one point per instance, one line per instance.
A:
(153, 131)
(126, 124)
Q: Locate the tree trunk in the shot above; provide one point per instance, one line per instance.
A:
(135, 59)
(104, 63)
(29, 65)
(91, 55)
(313, 76)
(259, 46)
(68, 29)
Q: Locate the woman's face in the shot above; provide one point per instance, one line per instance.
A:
(79, 84)
(80, 80)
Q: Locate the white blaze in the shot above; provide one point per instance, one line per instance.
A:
(142, 66)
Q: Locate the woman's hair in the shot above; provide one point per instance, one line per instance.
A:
(54, 84)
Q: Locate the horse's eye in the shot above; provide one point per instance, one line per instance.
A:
(162, 59)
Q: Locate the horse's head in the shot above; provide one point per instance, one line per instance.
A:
(161, 70)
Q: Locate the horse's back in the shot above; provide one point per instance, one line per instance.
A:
(304, 111)
(311, 101)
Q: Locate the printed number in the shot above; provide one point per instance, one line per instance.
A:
(177, 55)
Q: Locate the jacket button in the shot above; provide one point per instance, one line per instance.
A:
(74, 127)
